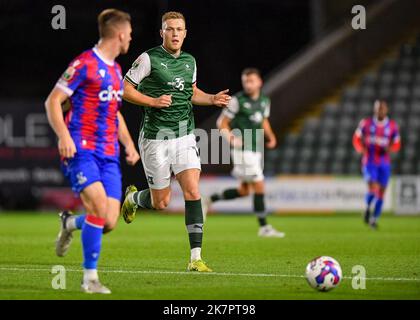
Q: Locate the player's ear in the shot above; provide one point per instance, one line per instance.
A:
(161, 33)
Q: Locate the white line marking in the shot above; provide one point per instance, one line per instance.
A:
(257, 275)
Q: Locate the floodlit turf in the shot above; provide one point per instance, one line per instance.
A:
(148, 259)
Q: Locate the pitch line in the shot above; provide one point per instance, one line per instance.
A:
(227, 274)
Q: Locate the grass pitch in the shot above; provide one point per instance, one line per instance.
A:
(148, 259)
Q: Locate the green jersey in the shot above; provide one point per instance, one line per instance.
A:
(157, 72)
(247, 116)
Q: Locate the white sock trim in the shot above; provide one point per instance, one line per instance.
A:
(90, 274)
(71, 223)
(195, 254)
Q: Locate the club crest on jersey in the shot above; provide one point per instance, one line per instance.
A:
(257, 117)
(110, 94)
(81, 179)
(247, 105)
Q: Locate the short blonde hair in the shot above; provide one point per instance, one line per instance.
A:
(108, 19)
(172, 15)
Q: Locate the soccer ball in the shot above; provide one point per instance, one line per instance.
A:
(323, 273)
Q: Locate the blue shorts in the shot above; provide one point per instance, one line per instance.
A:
(377, 173)
(87, 168)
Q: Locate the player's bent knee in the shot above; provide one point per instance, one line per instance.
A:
(244, 191)
(161, 205)
(99, 207)
(109, 226)
(193, 194)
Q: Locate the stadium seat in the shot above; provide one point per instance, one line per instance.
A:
(330, 111)
(385, 92)
(370, 79)
(323, 154)
(303, 167)
(285, 168)
(367, 92)
(319, 168)
(337, 168)
(407, 167)
(402, 92)
(351, 93)
(353, 168)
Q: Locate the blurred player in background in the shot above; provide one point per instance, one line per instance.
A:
(163, 81)
(376, 137)
(248, 111)
(88, 139)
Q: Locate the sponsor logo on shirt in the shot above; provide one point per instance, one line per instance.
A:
(379, 141)
(110, 94)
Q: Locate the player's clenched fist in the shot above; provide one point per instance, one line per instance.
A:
(66, 147)
(132, 156)
(163, 101)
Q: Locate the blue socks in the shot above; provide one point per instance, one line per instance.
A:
(369, 198)
(91, 240)
(80, 220)
(378, 208)
(379, 201)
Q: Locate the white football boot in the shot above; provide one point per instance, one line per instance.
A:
(94, 286)
(64, 238)
(268, 231)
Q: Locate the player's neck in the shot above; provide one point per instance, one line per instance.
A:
(108, 50)
(255, 95)
(380, 121)
(171, 52)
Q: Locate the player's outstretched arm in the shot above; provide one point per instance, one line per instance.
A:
(201, 98)
(132, 95)
(66, 146)
(132, 156)
(269, 134)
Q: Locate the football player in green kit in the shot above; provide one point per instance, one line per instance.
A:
(163, 81)
(248, 111)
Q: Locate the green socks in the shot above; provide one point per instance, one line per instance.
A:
(259, 209)
(143, 199)
(228, 194)
(194, 222)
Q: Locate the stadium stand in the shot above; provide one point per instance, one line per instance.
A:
(323, 144)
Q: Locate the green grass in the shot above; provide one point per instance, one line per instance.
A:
(154, 243)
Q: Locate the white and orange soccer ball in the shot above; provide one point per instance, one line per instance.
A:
(323, 273)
